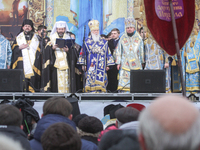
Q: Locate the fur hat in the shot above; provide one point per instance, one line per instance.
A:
(78, 118)
(90, 124)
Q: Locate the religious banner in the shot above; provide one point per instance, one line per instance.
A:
(158, 19)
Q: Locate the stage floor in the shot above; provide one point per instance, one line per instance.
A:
(84, 96)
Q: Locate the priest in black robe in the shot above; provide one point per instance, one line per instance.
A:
(26, 55)
(56, 64)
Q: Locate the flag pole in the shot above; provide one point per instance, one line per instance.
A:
(177, 47)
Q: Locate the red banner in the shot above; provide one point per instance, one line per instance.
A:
(158, 18)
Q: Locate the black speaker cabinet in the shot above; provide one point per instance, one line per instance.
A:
(11, 80)
(147, 81)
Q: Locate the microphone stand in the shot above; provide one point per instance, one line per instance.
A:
(143, 38)
(72, 70)
(42, 56)
(84, 53)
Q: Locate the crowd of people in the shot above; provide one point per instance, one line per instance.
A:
(102, 64)
(170, 122)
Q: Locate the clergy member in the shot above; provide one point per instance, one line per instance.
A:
(129, 54)
(95, 57)
(26, 55)
(5, 52)
(56, 65)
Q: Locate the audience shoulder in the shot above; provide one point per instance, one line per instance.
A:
(6, 143)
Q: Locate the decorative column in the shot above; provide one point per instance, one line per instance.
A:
(49, 13)
(130, 4)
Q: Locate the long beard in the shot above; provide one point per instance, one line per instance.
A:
(95, 37)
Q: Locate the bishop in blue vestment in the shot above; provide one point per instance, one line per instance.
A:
(95, 57)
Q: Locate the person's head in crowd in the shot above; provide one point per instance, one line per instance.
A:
(109, 111)
(94, 28)
(125, 115)
(130, 26)
(73, 36)
(171, 122)
(109, 36)
(142, 33)
(60, 136)
(46, 40)
(10, 115)
(111, 127)
(11, 125)
(42, 30)
(115, 33)
(7, 143)
(58, 105)
(55, 109)
(78, 118)
(119, 140)
(89, 128)
(27, 26)
(59, 29)
(103, 36)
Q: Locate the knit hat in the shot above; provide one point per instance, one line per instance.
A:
(90, 124)
(78, 118)
(118, 140)
(60, 136)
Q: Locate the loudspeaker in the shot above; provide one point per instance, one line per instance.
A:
(147, 81)
(11, 80)
(74, 103)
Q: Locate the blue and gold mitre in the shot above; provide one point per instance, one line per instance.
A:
(93, 25)
(129, 22)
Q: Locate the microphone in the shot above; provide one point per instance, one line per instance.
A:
(48, 31)
(69, 32)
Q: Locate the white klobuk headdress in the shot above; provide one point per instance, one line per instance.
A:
(59, 24)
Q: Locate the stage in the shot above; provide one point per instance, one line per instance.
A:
(84, 96)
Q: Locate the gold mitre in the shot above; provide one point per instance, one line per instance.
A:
(93, 25)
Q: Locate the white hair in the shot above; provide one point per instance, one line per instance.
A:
(95, 37)
(6, 143)
(156, 138)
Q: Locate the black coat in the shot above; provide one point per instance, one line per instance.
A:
(16, 134)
